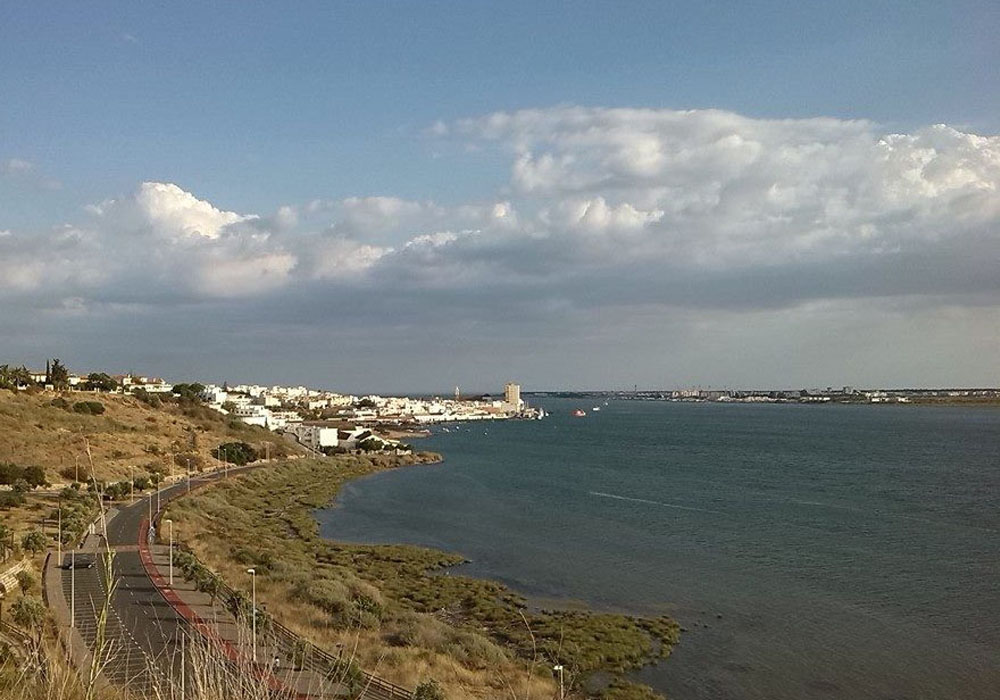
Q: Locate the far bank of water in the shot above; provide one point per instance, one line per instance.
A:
(810, 551)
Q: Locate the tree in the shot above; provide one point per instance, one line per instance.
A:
(191, 392)
(26, 582)
(10, 472)
(238, 453)
(35, 476)
(209, 582)
(58, 375)
(35, 542)
(29, 614)
(100, 381)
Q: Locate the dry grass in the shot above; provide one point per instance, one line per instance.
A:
(130, 438)
(129, 433)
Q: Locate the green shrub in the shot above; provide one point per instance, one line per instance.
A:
(238, 453)
(34, 542)
(90, 408)
(428, 690)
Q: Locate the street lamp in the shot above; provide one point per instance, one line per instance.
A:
(170, 527)
(131, 482)
(559, 667)
(253, 606)
(72, 588)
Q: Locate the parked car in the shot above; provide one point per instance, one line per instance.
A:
(79, 561)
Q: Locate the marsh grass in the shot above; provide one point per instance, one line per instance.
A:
(391, 605)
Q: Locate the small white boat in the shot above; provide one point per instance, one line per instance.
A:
(596, 408)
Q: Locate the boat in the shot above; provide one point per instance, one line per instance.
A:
(579, 413)
(596, 408)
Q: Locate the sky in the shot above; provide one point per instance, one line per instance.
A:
(406, 197)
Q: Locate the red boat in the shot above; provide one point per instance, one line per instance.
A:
(579, 413)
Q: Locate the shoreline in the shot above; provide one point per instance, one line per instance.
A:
(454, 626)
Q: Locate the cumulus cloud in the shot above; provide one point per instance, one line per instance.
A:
(607, 209)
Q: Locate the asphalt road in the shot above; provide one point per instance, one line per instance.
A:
(142, 630)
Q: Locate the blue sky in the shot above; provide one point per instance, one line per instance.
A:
(252, 107)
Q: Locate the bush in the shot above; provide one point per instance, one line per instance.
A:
(90, 408)
(428, 690)
(26, 477)
(238, 453)
(70, 472)
(26, 582)
(35, 476)
(11, 499)
(151, 400)
(60, 402)
(9, 473)
(34, 542)
(190, 460)
(29, 614)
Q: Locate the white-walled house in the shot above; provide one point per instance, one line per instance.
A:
(314, 436)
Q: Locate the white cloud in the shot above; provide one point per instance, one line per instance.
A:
(173, 213)
(609, 211)
(16, 166)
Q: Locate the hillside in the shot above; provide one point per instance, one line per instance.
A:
(130, 433)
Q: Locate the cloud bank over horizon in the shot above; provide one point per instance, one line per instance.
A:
(664, 245)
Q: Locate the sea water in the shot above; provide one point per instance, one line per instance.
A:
(835, 551)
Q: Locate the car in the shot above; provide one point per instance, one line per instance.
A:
(79, 561)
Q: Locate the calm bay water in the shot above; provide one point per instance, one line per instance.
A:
(809, 551)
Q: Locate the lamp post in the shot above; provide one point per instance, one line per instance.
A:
(559, 667)
(170, 527)
(131, 480)
(253, 607)
(72, 588)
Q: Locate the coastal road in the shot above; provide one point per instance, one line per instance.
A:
(142, 629)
